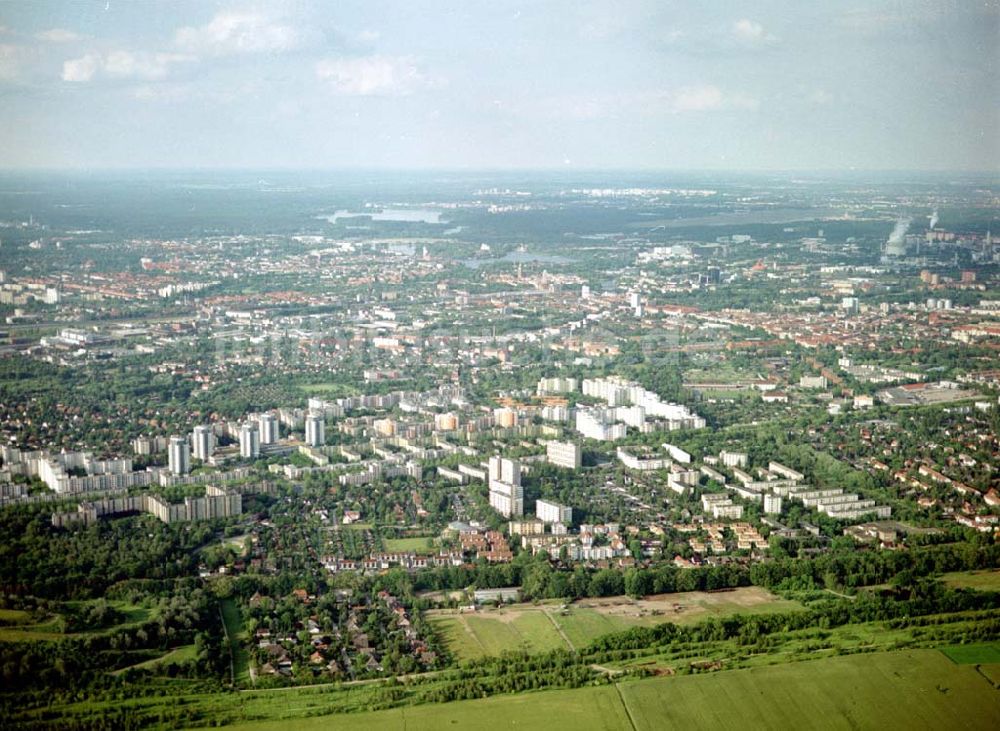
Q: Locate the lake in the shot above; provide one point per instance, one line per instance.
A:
(398, 215)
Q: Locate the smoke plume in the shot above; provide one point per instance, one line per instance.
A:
(899, 231)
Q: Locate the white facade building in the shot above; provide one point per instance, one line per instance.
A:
(772, 504)
(203, 441)
(315, 430)
(733, 459)
(506, 492)
(550, 512)
(179, 456)
(267, 427)
(556, 385)
(249, 441)
(564, 454)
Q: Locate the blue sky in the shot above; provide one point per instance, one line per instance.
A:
(837, 84)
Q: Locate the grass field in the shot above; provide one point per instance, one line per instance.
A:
(599, 709)
(406, 545)
(833, 693)
(838, 692)
(538, 628)
(582, 626)
(178, 656)
(986, 580)
(16, 625)
(991, 671)
(689, 607)
(982, 652)
(329, 390)
(237, 641)
(14, 616)
(469, 636)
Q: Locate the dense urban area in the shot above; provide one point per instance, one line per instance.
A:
(277, 446)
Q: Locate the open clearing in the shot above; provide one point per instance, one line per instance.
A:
(547, 626)
(328, 389)
(690, 607)
(408, 545)
(237, 640)
(833, 693)
(14, 616)
(176, 656)
(985, 580)
(16, 625)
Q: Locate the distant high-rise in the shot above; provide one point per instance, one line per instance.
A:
(268, 427)
(714, 275)
(249, 441)
(772, 504)
(563, 454)
(315, 430)
(179, 456)
(506, 492)
(552, 512)
(202, 439)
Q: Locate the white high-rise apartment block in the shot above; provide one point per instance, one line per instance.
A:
(550, 512)
(772, 504)
(556, 385)
(505, 470)
(203, 441)
(315, 430)
(733, 459)
(268, 428)
(506, 493)
(249, 441)
(677, 454)
(555, 413)
(618, 392)
(596, 423)
(179, 456)
(564, 454)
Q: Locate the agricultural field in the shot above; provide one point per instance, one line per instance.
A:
(832, 693)
(599, 709)
(541, 627)
(974, 654)
(985, 580)
(836, 692)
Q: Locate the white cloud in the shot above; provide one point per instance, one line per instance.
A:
(751, 32)
(10, 61)
(238, 32)
(81, 69)
(58, 35)
(149, 66)
(709, 98)
(821, 97)
(373, 75)
(698, 99)
(121, 65)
